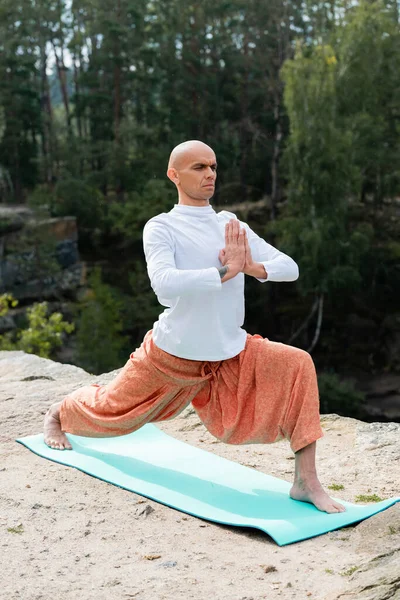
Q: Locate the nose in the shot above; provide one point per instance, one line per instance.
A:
(210, 173)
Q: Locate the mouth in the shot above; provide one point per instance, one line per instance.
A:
(209, 185)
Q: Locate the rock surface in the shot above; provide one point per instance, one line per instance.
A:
(30, 271)
(70, 536)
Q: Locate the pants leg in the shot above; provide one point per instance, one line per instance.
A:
(152, 386)
(267, 392)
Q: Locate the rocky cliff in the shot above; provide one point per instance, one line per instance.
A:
(39, 257)
(67, 535)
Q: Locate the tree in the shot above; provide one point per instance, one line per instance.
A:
(322, 179)
(99, 337)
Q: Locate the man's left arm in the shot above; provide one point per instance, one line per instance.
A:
(267, 263)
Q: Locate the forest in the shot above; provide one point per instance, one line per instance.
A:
(300, 101)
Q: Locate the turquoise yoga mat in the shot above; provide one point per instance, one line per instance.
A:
(153, 464)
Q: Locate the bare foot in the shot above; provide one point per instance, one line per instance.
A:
(313, 492)
(53, 436)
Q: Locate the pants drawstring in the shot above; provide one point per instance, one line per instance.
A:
(210, 370)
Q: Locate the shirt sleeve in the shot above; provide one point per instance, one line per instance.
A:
(279, 266)
(166, 280)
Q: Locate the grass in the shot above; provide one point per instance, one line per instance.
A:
(368, 498)
(330, 571)
(336, 487)
(350, 571)
(18, 529)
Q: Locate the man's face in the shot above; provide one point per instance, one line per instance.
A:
(196, 174)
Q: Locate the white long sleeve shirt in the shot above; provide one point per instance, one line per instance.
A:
(203, 317)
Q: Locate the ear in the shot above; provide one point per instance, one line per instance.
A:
(172, 174)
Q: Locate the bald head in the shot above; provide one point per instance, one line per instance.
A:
(192, 167)
(190, 150)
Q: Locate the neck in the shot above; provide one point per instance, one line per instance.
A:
(185, 200)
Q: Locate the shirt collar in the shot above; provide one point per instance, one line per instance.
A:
(184, 209)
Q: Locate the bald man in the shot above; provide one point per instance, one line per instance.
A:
(245, 389)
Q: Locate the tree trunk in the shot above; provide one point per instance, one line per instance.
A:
(61, 72)
(275, 191)
(47, 120)
(319, 323)
(117, 108)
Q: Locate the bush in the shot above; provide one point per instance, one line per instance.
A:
(44, 333)
(100, 342)
(76, 197)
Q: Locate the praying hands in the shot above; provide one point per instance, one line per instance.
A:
(236, 257)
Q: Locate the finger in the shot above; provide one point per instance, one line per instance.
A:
(230, 230)
(235, 228)
(227, 237)
(232, 235)
(246, 244)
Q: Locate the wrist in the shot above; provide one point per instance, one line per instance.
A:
(256, 270)
(228, 272)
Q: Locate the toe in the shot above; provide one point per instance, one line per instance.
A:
(338, 508)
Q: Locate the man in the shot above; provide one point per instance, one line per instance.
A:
(244, 388)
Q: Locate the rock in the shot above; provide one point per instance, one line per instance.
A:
(7, 323)
(379, 579)
(144, 511)
(67, 508)
(372, 436)
(13, 217)
(24, 272)
(168, 564)
(382, 393)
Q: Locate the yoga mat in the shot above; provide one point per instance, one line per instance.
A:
(153, 464)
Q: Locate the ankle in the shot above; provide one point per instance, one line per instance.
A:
(305, 480)
(54, 411)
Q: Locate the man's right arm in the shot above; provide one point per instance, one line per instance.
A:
(166, 280)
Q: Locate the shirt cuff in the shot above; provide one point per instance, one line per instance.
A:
(270, 270)
(215, 278)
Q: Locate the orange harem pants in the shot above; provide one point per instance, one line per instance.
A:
(266, 393)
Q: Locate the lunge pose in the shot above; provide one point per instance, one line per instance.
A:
(245, 389)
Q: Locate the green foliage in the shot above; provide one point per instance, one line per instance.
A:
(338, 396)
(323, 138)
(316, 226)
(43, 334)
(368, 498)
(141, 307)
(75, 197)
(101, 344)
(336, 487)
(350, 571)
(7, 301)
(18, 529)
(129, 218)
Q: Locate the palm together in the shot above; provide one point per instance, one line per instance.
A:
(237, 253)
